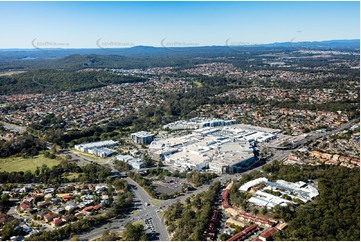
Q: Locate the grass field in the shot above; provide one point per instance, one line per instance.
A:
(138, 223)
(198, 84)
(10, 73)
(24, 164)
(72, 175)
(155, 202)
(135, 212)
(160, 213)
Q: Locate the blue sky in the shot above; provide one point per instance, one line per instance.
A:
(124, 24)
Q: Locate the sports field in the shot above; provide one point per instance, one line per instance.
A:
(24, 164)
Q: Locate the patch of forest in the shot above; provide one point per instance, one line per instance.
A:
(333, 215)
(54, 81)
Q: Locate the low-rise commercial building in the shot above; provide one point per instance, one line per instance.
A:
(245, 187)
(142, 137)
(264, 236)
(235, 222)
(263, 199)
(245, 233)
(223, 150)
(100, 144)
(102, 152)
(135, 163)
(197, 123)
(289, 192)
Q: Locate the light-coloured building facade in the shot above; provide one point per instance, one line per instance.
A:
(135, 163)
(98, 148)
(100, 144)
(142, 137)
(224, 149)
(290, 192)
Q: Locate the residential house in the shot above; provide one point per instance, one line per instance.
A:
(25, 205)
(43, 204)
(57, 222)
(266, 235)
(4, 218)
(48, 217)
(67, 218)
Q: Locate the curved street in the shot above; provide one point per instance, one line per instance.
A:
(147, 207)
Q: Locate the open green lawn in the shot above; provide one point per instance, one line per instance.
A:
(198, 84)
(72, 175)
(138, 223)
(135, 212)
(155, 202)
(24, 164)
(160, 213)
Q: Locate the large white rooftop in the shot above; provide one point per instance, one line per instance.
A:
(303, 188)
(220, 146)
(142, 134)
(198, 122)
(248, 185)
(300, 190)
(96, 144)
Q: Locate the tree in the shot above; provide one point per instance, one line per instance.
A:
(5, 198)
(134, 232)
(188, 221)
(108, 236)
(37, 171)
(8, 229)
(264, 210)
(225, 237)
(337, 206)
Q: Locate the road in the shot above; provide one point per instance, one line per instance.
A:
(313, 136)
(281, 154)
(141, 197)
(80, 159)
(84, 160)
(28, 218)
(142, 212)
(149, 211)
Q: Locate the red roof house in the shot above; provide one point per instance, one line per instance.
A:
(57, 222)
(267, 234)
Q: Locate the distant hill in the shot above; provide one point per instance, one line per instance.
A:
(146, 56)
(345, 44)
(142, 51)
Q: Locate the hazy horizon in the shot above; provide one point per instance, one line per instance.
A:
(84, 25)
(225, 45)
